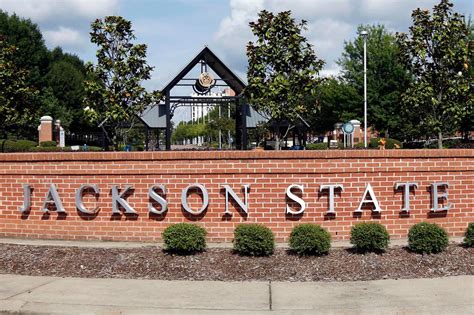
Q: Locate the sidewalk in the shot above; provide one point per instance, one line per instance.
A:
(51, 295)
(116, 244)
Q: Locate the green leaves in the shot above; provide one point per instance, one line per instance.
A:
(16, 95)
(386, 79)
(438, 55)
(282, 67)
(114, 93)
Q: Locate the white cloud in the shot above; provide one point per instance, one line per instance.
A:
(64, 23)
(327, 26)
(43, 10)
(64, 36)
(330, 23)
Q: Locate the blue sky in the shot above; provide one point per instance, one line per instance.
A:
(176, 30)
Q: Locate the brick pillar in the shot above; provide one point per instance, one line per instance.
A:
(45, 129)
(358, 132)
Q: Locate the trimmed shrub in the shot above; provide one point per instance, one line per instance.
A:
(253, 240)
(369, 237)
(16, 145)
(184, 238)
(93, 149)
(50, 149)
(389, 144)
(469, 235)
(317, 146)
(48, 144)
(310, 239)
(427, 238)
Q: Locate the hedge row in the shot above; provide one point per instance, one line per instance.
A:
(10, 146)
(310, 239)
(374, 143)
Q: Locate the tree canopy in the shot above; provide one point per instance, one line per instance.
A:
(15, 93)
(283, 67)
(56, 77)
(438, 53)
(31, 52)
(387, 78)
(115, 96)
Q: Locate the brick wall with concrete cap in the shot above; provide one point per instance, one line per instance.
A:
(267, 172)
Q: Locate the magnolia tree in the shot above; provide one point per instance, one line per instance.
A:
(283, 69)
(438, 53)
(16, 96)
(114, 95)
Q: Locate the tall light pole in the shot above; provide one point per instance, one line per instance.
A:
(364, 35)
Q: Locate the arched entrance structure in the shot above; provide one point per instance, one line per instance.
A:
(200, 76)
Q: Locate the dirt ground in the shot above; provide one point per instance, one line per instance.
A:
(224, 265)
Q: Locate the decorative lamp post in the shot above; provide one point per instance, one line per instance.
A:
(364, 35)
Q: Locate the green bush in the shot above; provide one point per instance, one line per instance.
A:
(427, 238)
(317, 146)
(369, 237)
(90, 148)
(310, 239)
(469, 235)
(48, 144)
(184, 238)
(389, 144)
(253, 240)
(50, 149)
(16, 145)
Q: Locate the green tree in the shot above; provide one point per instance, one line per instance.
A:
(115, 96)
(65, 81)
(31, 52)
(387, 79)
(467, 123)
(337, 101)
(51, 106)
(16, 95)
(438, 52)
(283, 68)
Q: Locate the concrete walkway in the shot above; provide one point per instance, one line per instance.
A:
(115, 244)
(51, 295)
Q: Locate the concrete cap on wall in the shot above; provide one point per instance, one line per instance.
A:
(47, 118)
(355, 122)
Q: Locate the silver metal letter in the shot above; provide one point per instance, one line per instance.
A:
(373, 199)
(331, 189)
(26, 198)
(436, 195)
(79, 202)
(118, 200)
(162, 201)
(205, 197)
(295, 198)
(243, 206)
(406, 193)
(52, 197)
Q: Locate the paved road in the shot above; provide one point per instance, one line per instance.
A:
(52, 295)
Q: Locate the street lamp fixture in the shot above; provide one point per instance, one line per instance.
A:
(364, 35)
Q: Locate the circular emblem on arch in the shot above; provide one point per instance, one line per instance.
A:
(348, 128)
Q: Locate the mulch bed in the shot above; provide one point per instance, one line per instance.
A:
(223, 265)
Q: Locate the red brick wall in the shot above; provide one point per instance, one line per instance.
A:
(268, 173)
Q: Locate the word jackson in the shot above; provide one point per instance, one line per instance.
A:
(157, 193)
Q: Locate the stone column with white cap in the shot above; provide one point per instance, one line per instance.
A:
(358, 131)
(45, 129)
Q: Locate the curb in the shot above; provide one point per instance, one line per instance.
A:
(111, 244)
